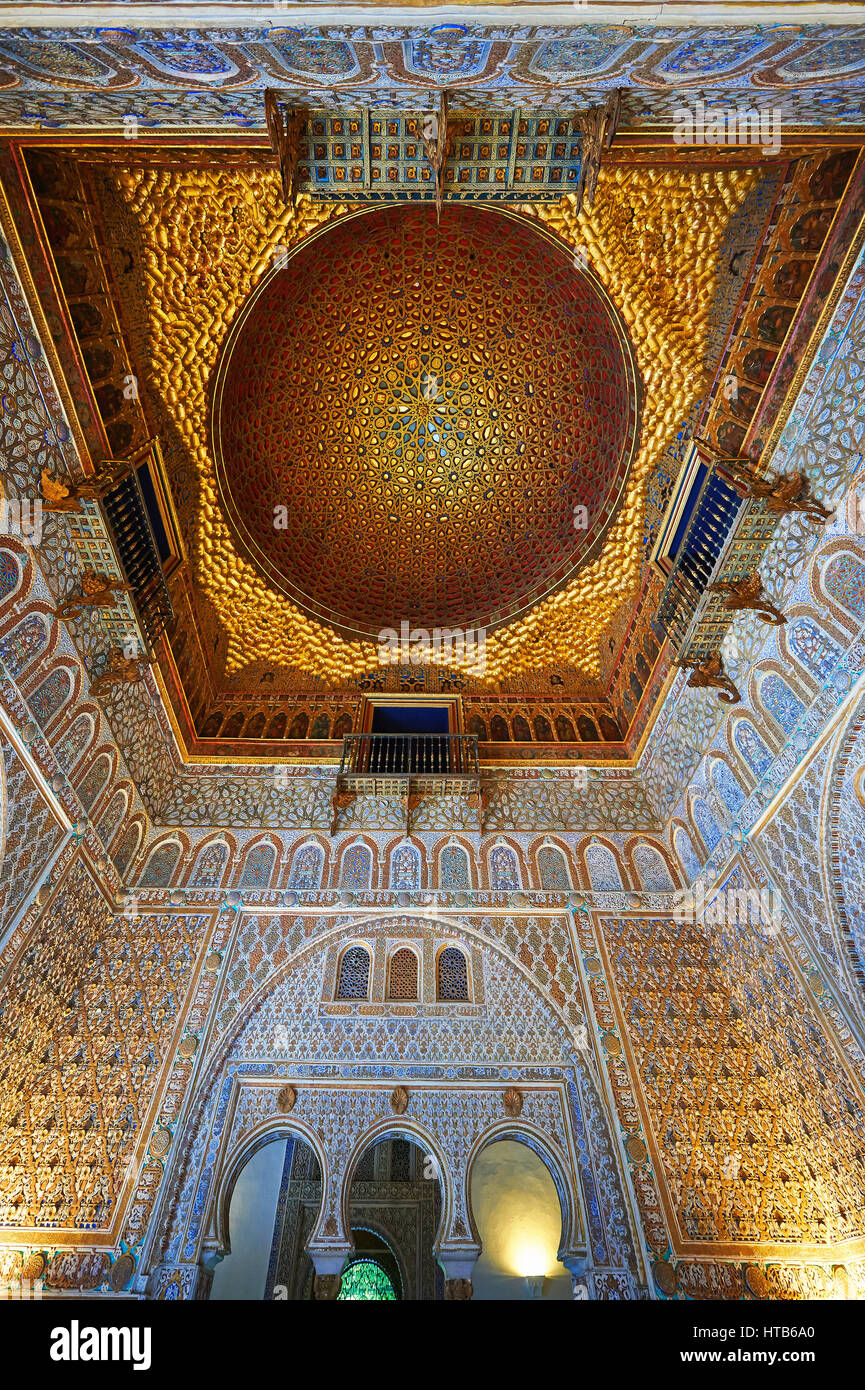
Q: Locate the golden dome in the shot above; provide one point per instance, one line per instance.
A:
(409, 419)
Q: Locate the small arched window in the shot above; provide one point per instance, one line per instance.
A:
(687, 855)
(356, 868)
(653, 872)
(306, 868)
(127, 848)
(813, 649)
(354, 974)
(160, 866)
(210, 865)
(727, 787)
(503, 870)
(24, 644)
(258, 867)
(452, 976)
(553, 869)
(777, 697)
(74, 742)
(454, 868)
(603, 869)
(94, 780)
(10, 574)
(752, 748)
(112, 817)
(402, 975)
(845, 581)
(705, 823)
(405, 868)
(51, 696)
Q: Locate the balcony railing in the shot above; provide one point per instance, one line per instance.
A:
(711, 532)
(409, 766)
(410, 755)
(137, 550)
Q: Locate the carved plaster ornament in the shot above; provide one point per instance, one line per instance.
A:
(286, 1099)
(513, 1102)
(711, 674)
(399, 1100)
(747, 595)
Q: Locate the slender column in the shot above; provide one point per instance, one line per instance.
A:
(328, 1266)
(580, 1269)
(458, 1266)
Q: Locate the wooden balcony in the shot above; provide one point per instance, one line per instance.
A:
(408, 766)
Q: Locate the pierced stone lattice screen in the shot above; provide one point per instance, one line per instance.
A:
(454, 868)
(356, 868)
(354, 974)
(452, 973)
(402, 978)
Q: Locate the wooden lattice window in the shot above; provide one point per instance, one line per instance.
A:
(402, 977)
(453, 975)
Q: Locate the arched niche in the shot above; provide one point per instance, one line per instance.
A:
(524, 1212)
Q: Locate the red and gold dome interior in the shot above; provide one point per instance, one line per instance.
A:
(423, 423)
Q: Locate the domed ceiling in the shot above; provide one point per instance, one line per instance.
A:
(407, 419)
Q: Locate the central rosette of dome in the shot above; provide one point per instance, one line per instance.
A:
(424, 423)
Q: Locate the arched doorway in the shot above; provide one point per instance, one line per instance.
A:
(372, 1274)
(273, 1206)
(394, 1212)
(519, 1219)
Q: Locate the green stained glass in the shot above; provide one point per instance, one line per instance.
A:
(366, 1280)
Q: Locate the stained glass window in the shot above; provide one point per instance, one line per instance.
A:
(553, 869)
(603, 869)
(453, 980)
(817, 652)
(402, 981)
(405, 868)
(653, 872)
(454, 867)
(845, 581)
(503, 870)
(366, 1281)
(306, 868)
(354, 974)
(258, 867)
(356, 868)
